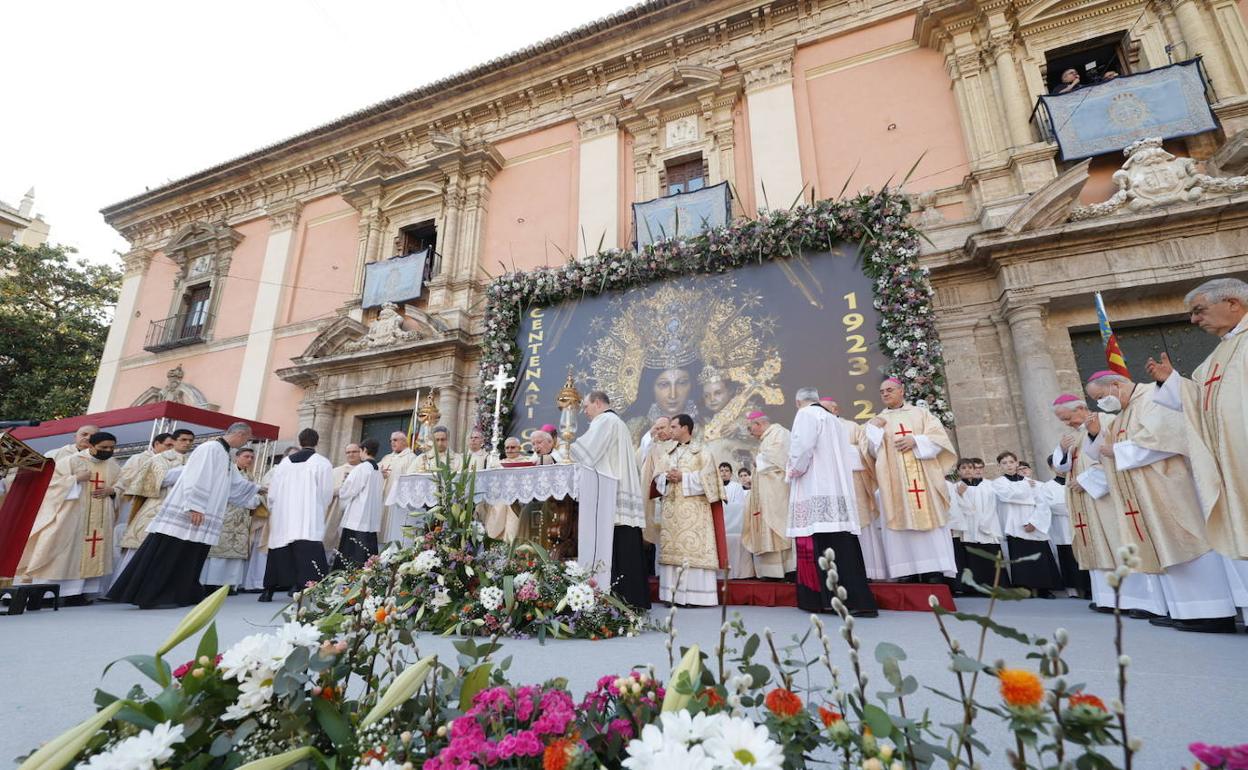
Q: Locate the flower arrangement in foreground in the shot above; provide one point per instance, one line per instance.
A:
(877, 223)
(453, 579)
(300, 696)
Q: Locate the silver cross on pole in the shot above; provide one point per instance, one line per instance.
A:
(499, 384)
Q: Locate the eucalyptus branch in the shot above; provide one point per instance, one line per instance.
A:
(775, 658)
(968, 706)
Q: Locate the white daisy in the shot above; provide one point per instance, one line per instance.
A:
(743, 745)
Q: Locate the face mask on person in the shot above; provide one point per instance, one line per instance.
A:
(103, 454)
(1109, 404)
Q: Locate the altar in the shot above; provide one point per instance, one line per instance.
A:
(593, 492)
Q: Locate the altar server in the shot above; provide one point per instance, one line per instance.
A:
(298, 498)
(360, 496)
(1025, 519)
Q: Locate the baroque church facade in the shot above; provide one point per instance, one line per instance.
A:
(248, 277)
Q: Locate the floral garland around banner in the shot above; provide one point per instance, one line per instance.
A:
(889, 248)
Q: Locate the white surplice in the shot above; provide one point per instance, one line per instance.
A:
(977, 511)
(821, 495)
(1019, 503)
(299, 496)
(740, 561)
(208, 481)
(360, 494)
(607, 447)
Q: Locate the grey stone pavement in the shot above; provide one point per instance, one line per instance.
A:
(1183, 687)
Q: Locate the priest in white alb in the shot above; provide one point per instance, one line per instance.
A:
(870, 534)
(165, 570)
(79, 444)
(765, 530)
(360, 496)
(607, 447)
(912, 453)
(401, 461)
(71, 541)
(298, 497)
(1215, 404)
(1162, 505)
(126, 507)
(823, 512)
(333, 518)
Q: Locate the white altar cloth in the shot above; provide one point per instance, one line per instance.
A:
(593, 492)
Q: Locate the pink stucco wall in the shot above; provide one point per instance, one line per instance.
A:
(280, 403)
(533, 203)
(238, 299)
(215, 373)
(742, 155)
(153, 302)
(842, 122)
(321, 270)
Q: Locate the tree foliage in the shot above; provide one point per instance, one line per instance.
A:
(54, 318)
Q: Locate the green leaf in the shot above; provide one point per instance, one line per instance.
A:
(61, 750)
(887, 650)
(208, 643)
(150, 666)
(878, 720)
(332, 722)
(992, 625)
(474, 682)
(966, 664)
(751, 647)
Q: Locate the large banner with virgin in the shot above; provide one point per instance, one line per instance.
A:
(715, 347)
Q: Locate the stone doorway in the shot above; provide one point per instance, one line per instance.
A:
(380, 426)
(1187, 346)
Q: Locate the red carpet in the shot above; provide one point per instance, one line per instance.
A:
(905, 597)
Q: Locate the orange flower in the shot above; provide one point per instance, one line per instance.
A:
(829, 717)
(1020, 687)
(783, 703)
(713, 698)
(1079, 699)
(558, 753)
(381, 615)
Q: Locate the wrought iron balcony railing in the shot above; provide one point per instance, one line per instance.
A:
(177, 331)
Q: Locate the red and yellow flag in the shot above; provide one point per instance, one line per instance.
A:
(1113, 353)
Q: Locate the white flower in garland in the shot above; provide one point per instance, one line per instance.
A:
(426, 561)
(255, 661)
(491, 598)
(140, 752)
(521, 579)
(441, 598)
(580, 597)
(573, 570)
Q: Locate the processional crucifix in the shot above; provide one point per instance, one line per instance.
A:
(499, 383)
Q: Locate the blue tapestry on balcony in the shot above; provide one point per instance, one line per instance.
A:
(394, 280)
(684, 214)
(1168, 102)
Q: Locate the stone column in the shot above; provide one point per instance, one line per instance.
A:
(1037, 380)
(448, 405)
(774, 152)
(369, 237)
(136, 263)
(255, 374)
(324, 420)
(453, 200)
(598, 196)
(1013, 89)
(1199, 39)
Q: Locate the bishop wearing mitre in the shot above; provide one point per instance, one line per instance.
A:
(692, 540)
(401, 461)
(1162, 505)
(766, 520)
(1095, 538)
(71, 541)
(607, 447)
(1215, 404)
(912, 451)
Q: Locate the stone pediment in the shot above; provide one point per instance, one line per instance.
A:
(198, 234)
(376, 167)
(1040, 10)
(1051, 204)
(176, 390)
(347, 336)
(678, 81)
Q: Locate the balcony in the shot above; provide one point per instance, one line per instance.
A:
(177, 331)
(1168, 102)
